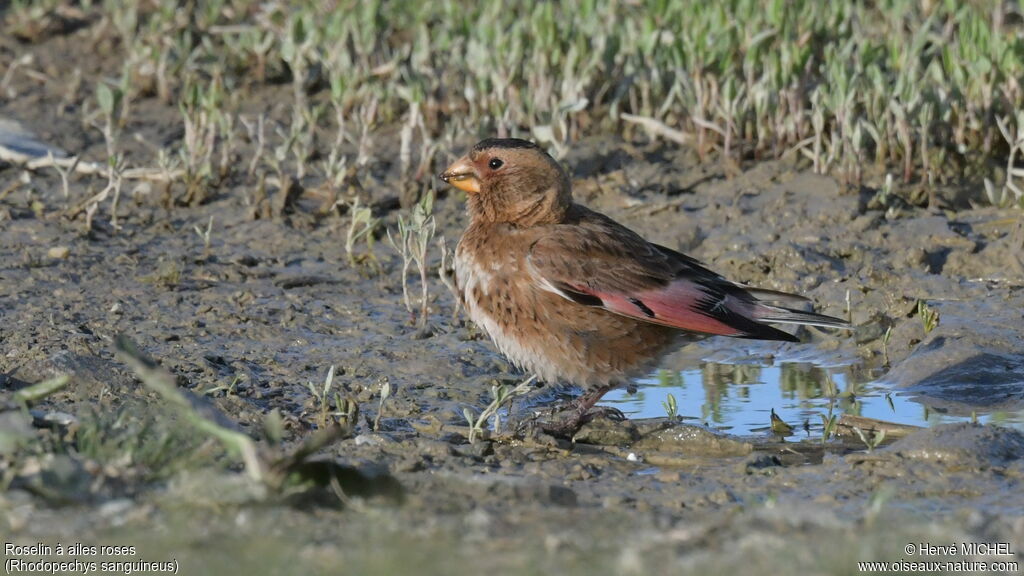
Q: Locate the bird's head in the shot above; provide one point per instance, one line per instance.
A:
(511, 181)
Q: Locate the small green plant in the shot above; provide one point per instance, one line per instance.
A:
(226, 128)
(64, 170)
(873, 442)
(414, 236)
(202, 110)
(829, 420)
(501, 395)
(671, 408)
(929, 316)
(227, 389)
(303, 138)
(828, 426)
(111, 103)
(256, 132)
(39, 391)
(1011, 191)
(298, 42)
(322, 396)
(361, 225)
(205, 236)
(137, 441)
(385, 394)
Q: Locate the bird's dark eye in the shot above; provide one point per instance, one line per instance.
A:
(495, 163)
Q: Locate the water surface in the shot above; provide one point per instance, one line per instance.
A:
(739, 398)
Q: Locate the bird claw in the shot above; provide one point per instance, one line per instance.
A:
(570, 425)
(580, 411)
(608, 412)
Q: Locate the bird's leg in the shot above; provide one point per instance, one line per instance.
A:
(579, 413)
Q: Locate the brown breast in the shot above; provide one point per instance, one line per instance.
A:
(541, 332)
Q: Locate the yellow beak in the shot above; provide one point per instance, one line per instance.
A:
(462, 175)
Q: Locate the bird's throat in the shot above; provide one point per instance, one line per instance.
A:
(521, 210)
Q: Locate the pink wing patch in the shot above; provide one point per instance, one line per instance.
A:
(676, 305)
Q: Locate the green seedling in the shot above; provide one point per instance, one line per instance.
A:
(828, 426)
(362, 225)
(110, 101)
(874, 441)
(204, 235)
(256, 133)
(322, 397)
(413, 240)
(201, 112)
(929, 316)
(671, 408)
(64, 171)
(228, 389)
(385, 394)
(31, 394)
(501, 395)
(1012, 191)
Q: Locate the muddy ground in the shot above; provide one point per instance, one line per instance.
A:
(274, 302)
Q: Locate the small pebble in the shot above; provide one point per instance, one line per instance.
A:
(59, 252)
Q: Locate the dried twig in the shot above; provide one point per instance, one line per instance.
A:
(658, 128)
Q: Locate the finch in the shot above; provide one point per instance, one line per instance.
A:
(574, 297)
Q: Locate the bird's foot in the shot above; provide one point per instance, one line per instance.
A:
(609, 412)
(579, 412)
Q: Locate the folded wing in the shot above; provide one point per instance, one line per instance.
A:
(597, 262)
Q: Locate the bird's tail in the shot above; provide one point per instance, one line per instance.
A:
(780, 315)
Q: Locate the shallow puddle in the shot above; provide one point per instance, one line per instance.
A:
(739, 398)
